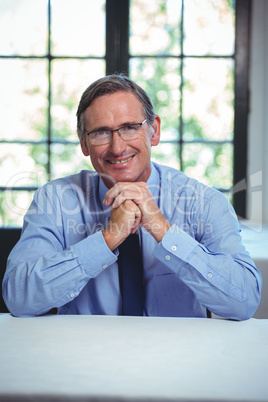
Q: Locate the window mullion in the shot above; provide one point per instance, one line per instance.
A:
(241, 105)
(117, 36)
(49, 119)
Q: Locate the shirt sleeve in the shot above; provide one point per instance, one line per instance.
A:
(42, 274)
(216, 268)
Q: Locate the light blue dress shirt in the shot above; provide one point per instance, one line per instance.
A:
(63, 261)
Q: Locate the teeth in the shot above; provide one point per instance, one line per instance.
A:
(123, 161)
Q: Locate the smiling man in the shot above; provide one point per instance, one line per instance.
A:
(71, 253)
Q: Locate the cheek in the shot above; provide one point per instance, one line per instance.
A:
(95, 153)
(146, 146)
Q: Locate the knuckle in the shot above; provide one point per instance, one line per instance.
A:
(123, 194)
(128, 205)
(119, 186)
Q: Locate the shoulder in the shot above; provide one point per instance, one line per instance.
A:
(84, 183)
(178, 184)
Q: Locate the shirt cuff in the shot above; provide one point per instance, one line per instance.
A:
(93, 254)
(176, 248)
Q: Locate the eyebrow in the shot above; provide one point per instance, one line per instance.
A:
(104, 128)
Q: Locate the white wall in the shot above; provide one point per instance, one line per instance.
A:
(257, 180)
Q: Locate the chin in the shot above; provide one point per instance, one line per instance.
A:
(122, 178)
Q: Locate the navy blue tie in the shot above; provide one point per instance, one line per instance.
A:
(130, 275)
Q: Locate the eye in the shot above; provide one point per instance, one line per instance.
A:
(96, 134)
(130, 128)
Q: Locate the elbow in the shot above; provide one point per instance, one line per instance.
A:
(17, 308)
(18, 304)
(245, 310)
(240, 308)
(253, 304)
(254, 298)
(244, 313)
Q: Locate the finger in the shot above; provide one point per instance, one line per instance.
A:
(112, 193)
(136, 225)
(136, 190)
(126, 195)
(128, 207)
(108, 200)
(137, 221)
(134, 229)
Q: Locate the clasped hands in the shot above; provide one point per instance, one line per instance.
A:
(132, 205)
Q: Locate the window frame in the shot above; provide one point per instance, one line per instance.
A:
(117, 60)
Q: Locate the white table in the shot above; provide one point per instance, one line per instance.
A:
(106, 358)
(255, 238)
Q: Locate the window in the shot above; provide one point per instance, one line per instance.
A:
(189, 55)
(179, 56)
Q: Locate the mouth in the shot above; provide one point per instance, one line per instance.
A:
(117, 162)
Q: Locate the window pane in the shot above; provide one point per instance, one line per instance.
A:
(23, 27)
(69, 80)
(229, 196)
(161, 80)
(154, 27)
(166, 154)
(23, 99)
(13, 207)
(22, 165)
(78, 27)
(68, 159)
(208, 96)
(210, 164)
(209, 27)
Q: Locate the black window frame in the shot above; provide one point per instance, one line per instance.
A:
(117, 60)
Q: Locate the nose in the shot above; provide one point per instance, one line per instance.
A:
(117, 145)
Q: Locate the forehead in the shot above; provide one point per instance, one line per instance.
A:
(118, 106)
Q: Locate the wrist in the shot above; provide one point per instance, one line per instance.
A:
(158, 228)
(112, 240)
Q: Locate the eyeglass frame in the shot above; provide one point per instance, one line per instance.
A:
(118, 129)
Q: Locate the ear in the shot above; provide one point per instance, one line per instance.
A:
(156, 131)
(84, 147)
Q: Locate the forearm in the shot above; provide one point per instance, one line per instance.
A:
(158, 226)
(34, 286)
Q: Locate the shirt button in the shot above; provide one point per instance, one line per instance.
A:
(167, 257)
(210, 275)
(105, 266)
(174, 248)
(71, 295)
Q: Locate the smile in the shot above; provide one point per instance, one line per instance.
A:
(122, 161)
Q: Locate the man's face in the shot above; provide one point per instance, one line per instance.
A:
(120, 160)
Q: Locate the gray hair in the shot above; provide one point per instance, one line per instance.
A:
(109, 85)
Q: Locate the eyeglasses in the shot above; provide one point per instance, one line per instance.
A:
(127, 133)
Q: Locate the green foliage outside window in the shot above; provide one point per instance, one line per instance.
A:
(190, 82)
